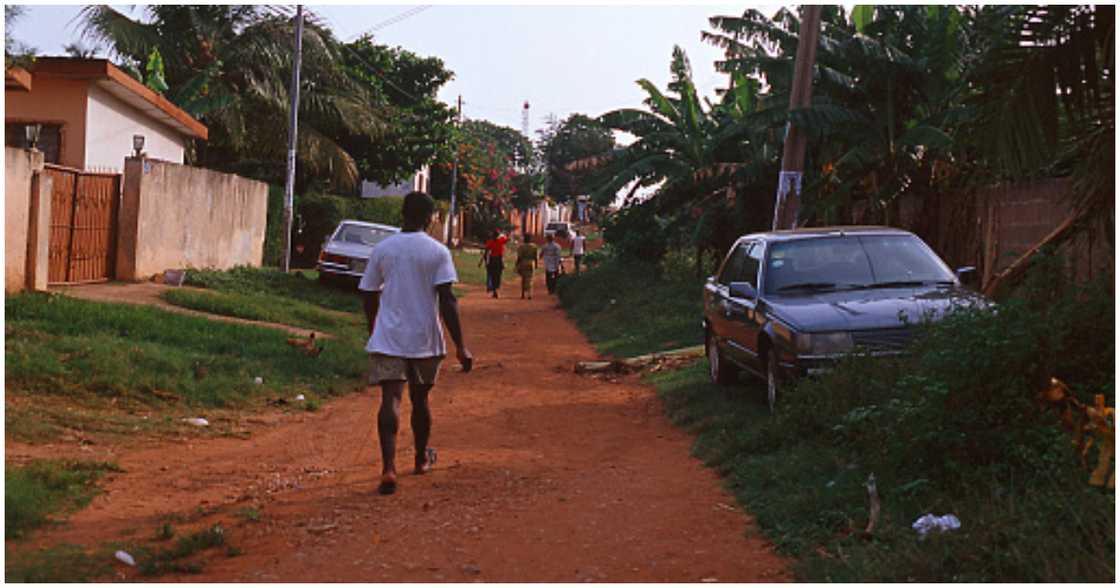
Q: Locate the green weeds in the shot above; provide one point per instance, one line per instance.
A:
(629, 308)
(42, 488)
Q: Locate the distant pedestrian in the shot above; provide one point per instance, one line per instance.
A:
(553, 263)
(526, 263)
(495, 248)
(577, 249)
(407, 278)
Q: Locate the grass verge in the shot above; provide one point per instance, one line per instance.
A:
(61, 563)
(95, 354)
(42, 488)
(630, 308)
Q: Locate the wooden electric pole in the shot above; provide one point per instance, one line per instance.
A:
(788, 201)
(290, 182)
(454, 173)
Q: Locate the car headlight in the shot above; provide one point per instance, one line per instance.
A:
(824, 343)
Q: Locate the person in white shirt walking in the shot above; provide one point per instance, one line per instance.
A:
(407, 278)
(577, 249)
(553, 263)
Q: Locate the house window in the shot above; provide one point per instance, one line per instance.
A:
(50, 139)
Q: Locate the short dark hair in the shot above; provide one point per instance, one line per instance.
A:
(417, 208)
(526, 237)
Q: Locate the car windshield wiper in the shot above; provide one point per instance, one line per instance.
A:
(904, 284)
(809, 286)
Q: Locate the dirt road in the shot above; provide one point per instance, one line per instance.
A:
(543, 475)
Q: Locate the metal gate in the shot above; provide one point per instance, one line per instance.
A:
(84, 209)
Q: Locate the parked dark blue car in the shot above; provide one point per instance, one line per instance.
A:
(786, 304)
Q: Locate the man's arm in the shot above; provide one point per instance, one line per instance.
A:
(449, 312)
(372, 304)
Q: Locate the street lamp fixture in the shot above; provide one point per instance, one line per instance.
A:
(31, 133)
(138, 144)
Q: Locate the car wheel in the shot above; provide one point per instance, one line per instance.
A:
(720, 371)
(772, 379)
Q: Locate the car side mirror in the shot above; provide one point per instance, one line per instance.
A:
(742, 290)
(966, 274)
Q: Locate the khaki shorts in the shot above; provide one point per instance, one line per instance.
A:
(423, 370)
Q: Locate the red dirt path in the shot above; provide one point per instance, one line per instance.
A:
(543, 475)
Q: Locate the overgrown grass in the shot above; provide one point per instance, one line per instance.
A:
(42, 488)
(297, 286)
(951, 429)
(263, 307)
(171, 560)
(88, 350)
(629, 308)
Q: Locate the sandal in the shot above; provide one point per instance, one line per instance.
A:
(429, 462)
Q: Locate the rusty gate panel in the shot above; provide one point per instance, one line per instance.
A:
(84, 208)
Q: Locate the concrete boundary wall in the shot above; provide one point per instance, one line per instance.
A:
(175, 216)
(27, 217)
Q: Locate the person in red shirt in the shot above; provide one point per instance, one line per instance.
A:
(495, 248)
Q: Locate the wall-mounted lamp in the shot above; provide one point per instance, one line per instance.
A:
(31, 133)
(138, 144)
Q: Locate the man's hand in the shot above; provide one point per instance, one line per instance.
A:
(465, 358)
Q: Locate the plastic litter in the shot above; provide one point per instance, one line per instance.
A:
(928, 523)
(125, 558)
(300, 397)
(198, 422)
(258, 380)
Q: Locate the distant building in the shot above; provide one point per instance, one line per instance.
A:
(420, 182)
(89, 110)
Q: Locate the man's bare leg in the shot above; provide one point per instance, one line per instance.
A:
(388, 422)
(421, 424)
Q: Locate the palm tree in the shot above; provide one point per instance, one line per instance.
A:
(693, 152)
(230, 66)
(881, 98)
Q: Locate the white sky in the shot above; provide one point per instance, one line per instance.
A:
(562, 59)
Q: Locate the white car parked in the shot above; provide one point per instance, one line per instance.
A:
(346, 251)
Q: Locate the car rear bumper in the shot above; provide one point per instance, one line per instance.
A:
(337, 269)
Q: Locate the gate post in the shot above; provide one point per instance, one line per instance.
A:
(39, 231)
(128, 219)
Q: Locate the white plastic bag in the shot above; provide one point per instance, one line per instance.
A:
(928, 522)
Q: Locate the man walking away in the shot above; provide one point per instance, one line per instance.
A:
(577, 249)
(408, 276)
(526, 263)
(553, 264)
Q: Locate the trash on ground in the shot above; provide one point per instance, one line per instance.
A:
(174, 277)
(300, 397)
(258, 380)
(928, 522)
(125, 558)
(198, 422)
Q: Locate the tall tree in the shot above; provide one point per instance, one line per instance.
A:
(418, 126)
(563, 142)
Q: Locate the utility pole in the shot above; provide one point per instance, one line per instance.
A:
(454, 173)
(290, 184)
(787, 204)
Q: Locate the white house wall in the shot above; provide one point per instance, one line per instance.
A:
(110, 125)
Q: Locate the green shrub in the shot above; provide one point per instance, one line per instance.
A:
(41, 488)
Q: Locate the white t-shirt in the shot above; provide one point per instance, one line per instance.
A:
(406, 268)
(577, 245)
(550, 254)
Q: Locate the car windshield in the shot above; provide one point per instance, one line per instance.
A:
(851, 261)
(361, 235)
(556, 226)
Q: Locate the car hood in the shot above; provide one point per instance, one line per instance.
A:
(357, 250)
(883, 308)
